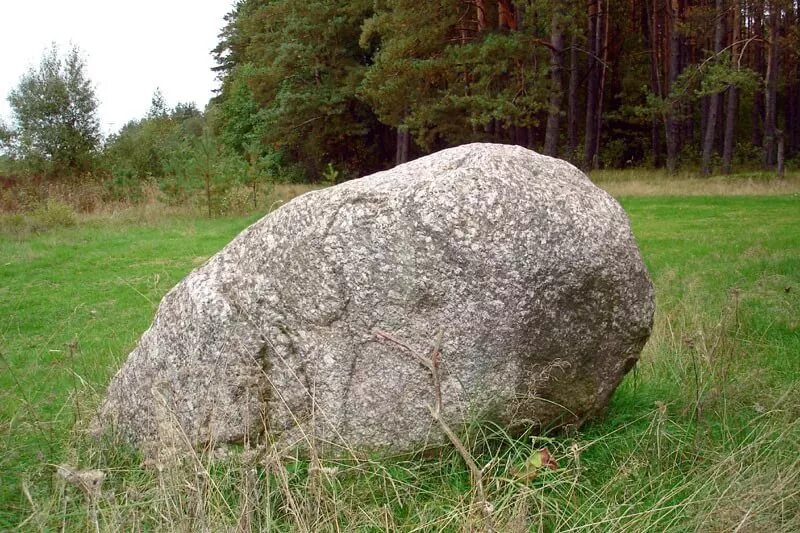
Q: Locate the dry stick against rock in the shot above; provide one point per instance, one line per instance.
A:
(433, 366)
(250, 494)
(424, 362)
(437, 384)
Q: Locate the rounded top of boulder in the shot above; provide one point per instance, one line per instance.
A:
(495, 160)
(476, 168)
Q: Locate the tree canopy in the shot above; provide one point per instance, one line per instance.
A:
(314, 88)
(665, 82)
(56, 128)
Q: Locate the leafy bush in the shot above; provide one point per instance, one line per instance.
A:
(123, 188)
(50, 214)
(84, 196)
(747, 153)
(613, 154)
(15, 224)
(237, 201)
(29, 195)
(54, 213)
(8, 201)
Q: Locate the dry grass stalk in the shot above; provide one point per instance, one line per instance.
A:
(644, 183)
(432, 363)
(88, 481)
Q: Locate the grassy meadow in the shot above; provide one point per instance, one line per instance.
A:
(704, 435)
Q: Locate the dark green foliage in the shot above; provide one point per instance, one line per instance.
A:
(363, 84)
(218, 170)
(142, 148)
(294, 92)
(158, 106)
(240, 122)
(6, 137)
(451, 71)
(179, 150)
(450, 80)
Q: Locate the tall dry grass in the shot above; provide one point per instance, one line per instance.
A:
(703, 462)
(643, 182)
(31, 208)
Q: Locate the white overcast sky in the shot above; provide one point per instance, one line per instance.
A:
(131, 47)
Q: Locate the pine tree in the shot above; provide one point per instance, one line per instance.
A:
(365, 84)
(305, 65)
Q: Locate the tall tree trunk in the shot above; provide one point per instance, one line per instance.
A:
(703, 120)
(672, 122)
(602, 30)
(556, 90)
(713, 103)
(403, 143)
(593, 87)
(733, 94)
(770, 119)
(758, 65)
(793, 115)
(719, 138)
(506, 15)
(520, 135)
(655, 141)
(732, 103)
(657, 86)
(793, 97)
(480, 14)
(572, 99)
(688, 127)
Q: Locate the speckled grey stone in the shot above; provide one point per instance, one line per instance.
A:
(530, 272)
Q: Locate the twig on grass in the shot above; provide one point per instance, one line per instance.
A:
(89, 482)
(475, 473)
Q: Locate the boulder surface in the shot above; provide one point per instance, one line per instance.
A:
(317, 323)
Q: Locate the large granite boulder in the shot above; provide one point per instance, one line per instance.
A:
(317, 323)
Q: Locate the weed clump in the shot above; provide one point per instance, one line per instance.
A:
(49, 215)
(54, 214)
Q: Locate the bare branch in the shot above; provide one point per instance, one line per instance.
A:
(424, 362)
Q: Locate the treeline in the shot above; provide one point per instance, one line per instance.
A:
(317, 90)
(361, 85)
(177, 149)
(55, 139)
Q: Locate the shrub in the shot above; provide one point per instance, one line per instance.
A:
(30, 195)
(238, 200)
(123, 188)
(9, 203)
(177, 189)
(613, 154)
(53, 214)
(85, 194)
(15, 224)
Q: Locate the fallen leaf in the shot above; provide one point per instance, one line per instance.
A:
(539, 459)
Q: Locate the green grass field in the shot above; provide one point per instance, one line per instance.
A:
(704, 435)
